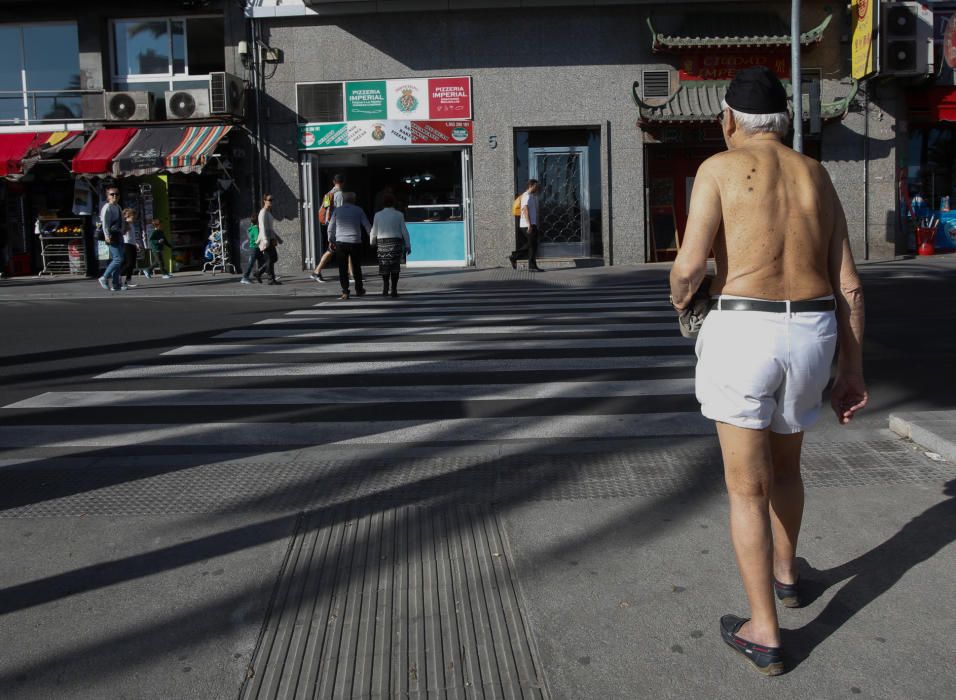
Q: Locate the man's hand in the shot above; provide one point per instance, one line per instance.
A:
(331, 246)
(848, 396)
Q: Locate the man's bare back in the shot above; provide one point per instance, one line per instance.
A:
(778, 211)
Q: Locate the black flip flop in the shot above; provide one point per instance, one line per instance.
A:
(767, 660)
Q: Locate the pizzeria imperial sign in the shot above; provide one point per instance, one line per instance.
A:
(415, 111)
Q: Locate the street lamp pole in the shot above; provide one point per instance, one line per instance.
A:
(796, 79)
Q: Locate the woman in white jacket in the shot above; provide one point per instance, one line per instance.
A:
(390, 237)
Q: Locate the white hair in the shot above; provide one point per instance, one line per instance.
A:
(776, 123)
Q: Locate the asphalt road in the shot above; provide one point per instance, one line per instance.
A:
(531, 455)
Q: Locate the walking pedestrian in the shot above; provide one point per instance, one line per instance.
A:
(345, 239)
(111, 218)
(529, 228)
(157, 241)
(257, 258)
(330, 202)
(390, 238)
(132, 242)
(787, 289)
(268, 240)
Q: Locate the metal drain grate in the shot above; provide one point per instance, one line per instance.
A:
(410, 602)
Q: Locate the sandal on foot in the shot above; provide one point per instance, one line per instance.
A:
(767, 660)
(788, 593)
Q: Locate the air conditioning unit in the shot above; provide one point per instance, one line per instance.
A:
(226, 94)
(187, 104)
(906, 39)
(128, 106)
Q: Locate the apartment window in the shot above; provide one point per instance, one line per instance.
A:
(166, 53)
(39, 73)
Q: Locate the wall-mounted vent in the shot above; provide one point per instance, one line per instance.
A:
(656, 83)
(320, 102)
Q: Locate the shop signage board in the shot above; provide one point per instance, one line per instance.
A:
(387, 132)
(863, 42)
(414, 99)
(725, 65)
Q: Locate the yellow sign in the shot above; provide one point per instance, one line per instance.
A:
(864, 36)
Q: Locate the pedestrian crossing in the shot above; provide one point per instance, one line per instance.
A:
(440, 367)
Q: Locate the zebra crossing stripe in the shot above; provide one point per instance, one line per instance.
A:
(362, 394)
(412, 347)
(390, 331)
(415, 318)
(527, 309)
(369, 368)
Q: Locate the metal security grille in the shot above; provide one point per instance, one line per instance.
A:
(563, 217)
(320, 102)
(657, 83)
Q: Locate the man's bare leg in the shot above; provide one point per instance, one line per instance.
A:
(786, 504)
(748, 471)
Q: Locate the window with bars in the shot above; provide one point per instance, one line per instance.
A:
(320, 102)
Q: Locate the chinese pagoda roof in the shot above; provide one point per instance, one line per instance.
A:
(698, 101)
(732, 31)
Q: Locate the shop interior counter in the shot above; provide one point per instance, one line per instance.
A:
(437, 234)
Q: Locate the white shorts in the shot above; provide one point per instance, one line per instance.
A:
(759, 369)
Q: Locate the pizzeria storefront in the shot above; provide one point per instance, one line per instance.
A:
(410, 138)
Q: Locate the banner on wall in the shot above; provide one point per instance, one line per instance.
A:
(387, 132)
(415, 99)
(864, 36)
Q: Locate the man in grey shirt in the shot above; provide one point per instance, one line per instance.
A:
(345, 238)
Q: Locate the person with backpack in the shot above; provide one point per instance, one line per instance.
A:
(527, 206)
(330, 202)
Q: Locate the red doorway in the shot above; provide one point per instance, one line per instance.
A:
(670, 178)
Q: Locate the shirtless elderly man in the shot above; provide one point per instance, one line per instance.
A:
(786, 290)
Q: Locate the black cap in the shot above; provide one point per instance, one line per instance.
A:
(756, 90)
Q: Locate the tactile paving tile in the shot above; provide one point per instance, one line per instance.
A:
(274, 486)
(404, 603)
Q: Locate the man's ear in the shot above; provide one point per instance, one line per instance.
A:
(730, 123)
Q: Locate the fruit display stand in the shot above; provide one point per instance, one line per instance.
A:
(62, 247)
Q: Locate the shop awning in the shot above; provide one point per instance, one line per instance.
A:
(183, 149)
(99, 151)
(698, 101)
(712, 30)
(198, 143)
(56, 149)
(15, 147)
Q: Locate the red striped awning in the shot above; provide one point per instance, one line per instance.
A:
(98, 153)
(192, 152)
(15, 147)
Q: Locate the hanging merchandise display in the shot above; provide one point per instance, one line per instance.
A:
(217, 250)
